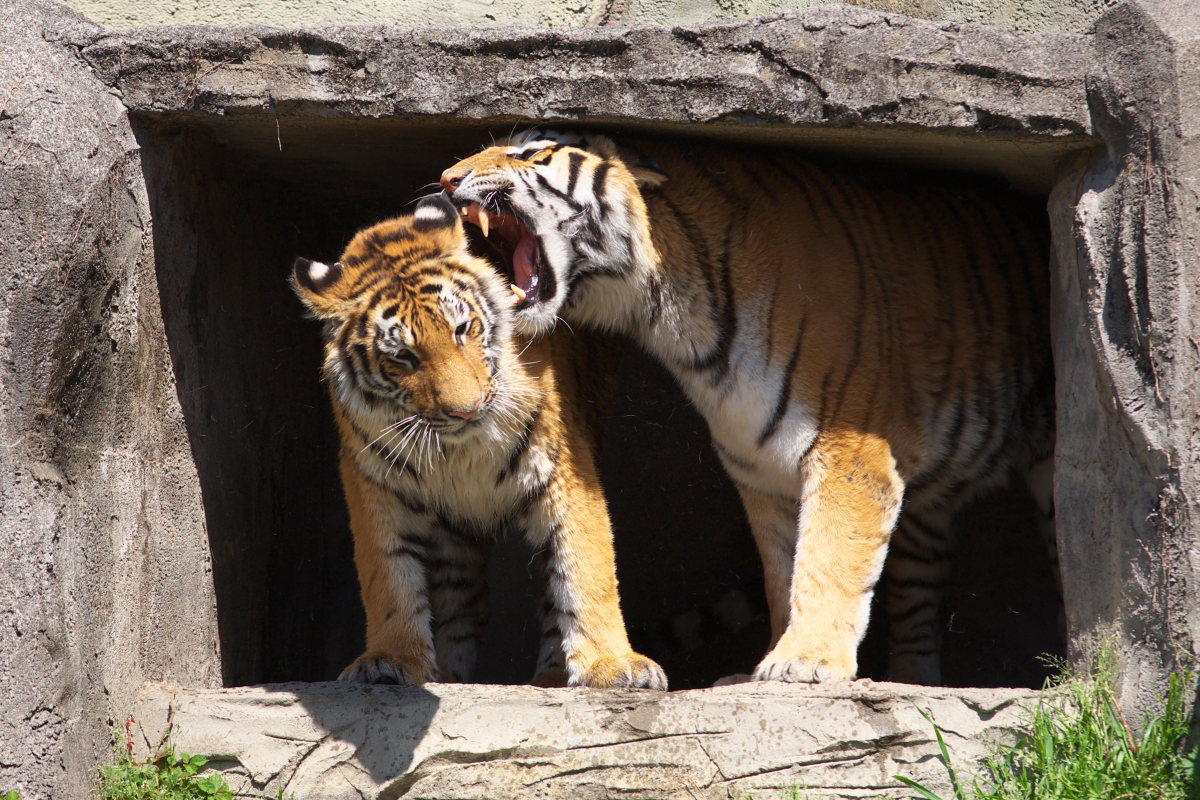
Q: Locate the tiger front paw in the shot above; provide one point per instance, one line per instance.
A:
(632, 671)
(383, 668)
(792, 664)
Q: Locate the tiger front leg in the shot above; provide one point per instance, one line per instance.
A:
(391, 547)
(582, 609)
(848, 508)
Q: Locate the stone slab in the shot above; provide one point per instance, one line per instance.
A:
(835, 66)
(332, 741)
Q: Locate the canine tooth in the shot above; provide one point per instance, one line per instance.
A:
(518, 294)
(483, 222)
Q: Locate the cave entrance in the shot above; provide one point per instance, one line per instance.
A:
(234, 200)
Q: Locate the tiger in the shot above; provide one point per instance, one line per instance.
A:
(856, 348)
(455, 429)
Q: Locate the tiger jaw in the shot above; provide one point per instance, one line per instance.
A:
(520, 249)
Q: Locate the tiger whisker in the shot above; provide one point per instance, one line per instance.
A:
(389, 429)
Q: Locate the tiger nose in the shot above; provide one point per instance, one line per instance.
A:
(453, 178)
(464, 414)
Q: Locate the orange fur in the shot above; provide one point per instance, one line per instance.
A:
(453, 431)
(851, 342)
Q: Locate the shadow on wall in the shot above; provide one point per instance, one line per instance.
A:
(233, 202)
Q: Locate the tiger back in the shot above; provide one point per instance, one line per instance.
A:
(855, 348)
(455, 430)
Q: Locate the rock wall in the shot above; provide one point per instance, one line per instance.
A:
(1127, 346)
(104, 582)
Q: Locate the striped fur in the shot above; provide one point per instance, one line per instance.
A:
(851, 346)
(455, 430)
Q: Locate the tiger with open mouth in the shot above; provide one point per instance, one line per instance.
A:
(854, 348)
(456, 429)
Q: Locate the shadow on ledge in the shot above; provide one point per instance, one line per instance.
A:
(340, 741)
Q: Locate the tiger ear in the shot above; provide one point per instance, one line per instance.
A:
(647, 177)
(436, 215)
(645, 171)
(435, 212)
(314, 283)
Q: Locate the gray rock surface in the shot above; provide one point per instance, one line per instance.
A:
(1023, 15)
(1127, 345)
(104, 579)
(334, 741)
(834, 75)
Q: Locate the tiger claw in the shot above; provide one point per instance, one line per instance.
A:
(380, 668)
(633, 671)
(796, 668)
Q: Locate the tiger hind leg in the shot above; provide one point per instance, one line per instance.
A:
(458, 593)
(917, 569)
(773, 524)
(583, 611)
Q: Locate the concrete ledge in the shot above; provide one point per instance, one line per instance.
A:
(331, 740)
(828, 66)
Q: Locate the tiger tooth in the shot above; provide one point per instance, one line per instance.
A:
(518, 294)
(483, 222)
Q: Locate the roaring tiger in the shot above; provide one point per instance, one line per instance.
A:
(455, 429)
(852, 345)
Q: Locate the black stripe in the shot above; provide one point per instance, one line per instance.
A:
(549, 282)
(574, 162)
(600, 185)
(785, 391)
(733, 459)
(695, 236)
(404, 550)
(518, 452)
(566, 198)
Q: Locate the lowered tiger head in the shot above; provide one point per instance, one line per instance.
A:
(417, 330)
(556, 206)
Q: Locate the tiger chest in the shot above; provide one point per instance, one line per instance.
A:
(760, 431)
(486, 484)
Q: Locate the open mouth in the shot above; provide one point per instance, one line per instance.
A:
(519, 250)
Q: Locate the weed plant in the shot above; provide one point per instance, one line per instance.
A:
(1081, 747)
(170, 776)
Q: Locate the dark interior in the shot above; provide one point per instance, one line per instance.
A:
(234, 200)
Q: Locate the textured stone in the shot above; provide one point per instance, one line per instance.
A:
(1023, 15)
(336, 741)
(832, 73)
(104, 579)
(1127, 347)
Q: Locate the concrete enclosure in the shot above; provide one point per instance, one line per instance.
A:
(149, 319)
(231, 198)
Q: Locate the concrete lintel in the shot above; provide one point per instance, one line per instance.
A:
(828, 67)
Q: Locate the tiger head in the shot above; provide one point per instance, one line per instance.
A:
(417, 330)
(556, 206)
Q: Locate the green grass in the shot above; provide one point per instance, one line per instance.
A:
(1081, 747)
(170, 776)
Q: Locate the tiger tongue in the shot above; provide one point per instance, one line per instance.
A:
(525, 265)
